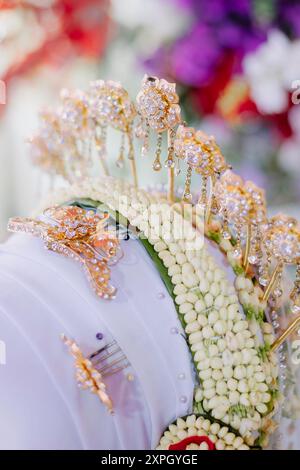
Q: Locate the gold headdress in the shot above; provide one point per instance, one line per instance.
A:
(70, 142)
(70, 135)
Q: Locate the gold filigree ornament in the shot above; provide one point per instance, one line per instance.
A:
(62, 143)
(281, 242)
(201, 154)
(244, 205)
(78, 234)
(110, 105)
(47, 146)
(157, 104)
(87, 376)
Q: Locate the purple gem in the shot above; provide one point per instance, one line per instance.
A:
(99, 336)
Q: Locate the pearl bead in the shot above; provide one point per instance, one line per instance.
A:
(174, 330)
(161, 295)
(183, 399)
(181, 376)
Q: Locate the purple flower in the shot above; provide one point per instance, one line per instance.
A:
(194, 57)
(288, 17)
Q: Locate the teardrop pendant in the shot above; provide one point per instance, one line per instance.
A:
(145, 147)
(187, 195)
(170, 163)
(157, 164)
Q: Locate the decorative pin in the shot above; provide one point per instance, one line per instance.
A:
(87, 376)
(157, 104)
(110, 105)
(47, 147)
(281, 240)
(201, 154)
(243, 203)
(80, 235)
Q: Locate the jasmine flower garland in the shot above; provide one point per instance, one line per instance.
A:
(237, 383)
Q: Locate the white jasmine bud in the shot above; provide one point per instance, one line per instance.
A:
(212, 317)
(215, 428)
(204, 286)
(219, 301)
(160, 246)
(200, 306)
(207, 332)
(239, 372)
(202, 320)
(192, 327)
(209, 393)
(216, 363)
(173, 270)
(217, 374)
(180, 299)
(195, 337)
(208, 299)
(220, 444)
(209, 276)
(244, 400)
(234, 397)
(228, 372)
(199, 395)
(240, 326)
(223, 431)
(203, 365)
(262, 408)
(229, 438)
(185, 307)
(221, 387)
(190, 316)
(205, 374)
(208, 383)
(232, 384)
(190, 280)
(191, 297)
(220, 327)
(179, 289)
(213, 350)
(259, 376)
(182, 434)
(223, 313)
(215, 289)
(180, 258)
(187, 268)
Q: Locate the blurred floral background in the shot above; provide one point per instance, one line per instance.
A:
(236, 63)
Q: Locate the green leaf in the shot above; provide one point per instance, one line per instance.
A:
(238, 270)
(215, 236)
(163, 271)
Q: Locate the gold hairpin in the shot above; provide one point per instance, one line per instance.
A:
(157, 103)
(47, 146)
(281, 241)
(110, 105)
(87, 376)
(244, 204)
(80, 235)
(201, 154)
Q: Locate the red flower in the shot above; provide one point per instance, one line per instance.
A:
(182, 445)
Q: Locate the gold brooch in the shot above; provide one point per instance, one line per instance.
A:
(78, 234)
